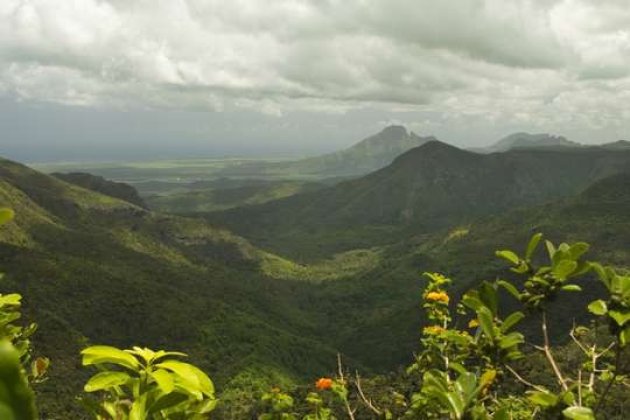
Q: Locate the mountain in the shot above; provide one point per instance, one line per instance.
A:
(96, 269)
(527, 141)
(365, 156)
(99, 184)
(429, 187)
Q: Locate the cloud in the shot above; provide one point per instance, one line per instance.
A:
(535, 61)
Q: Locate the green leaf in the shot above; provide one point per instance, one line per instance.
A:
(578, 249)
(571, 288)
(533, 244)
(598, 307)
(190, 377)
(164, 380)
(578, 413)
(456, 403)
(105, 380)
(6, 215)
(510, 288)
(620, 317)
(563, 269)
(96, 355)
(486, 321)
(488, 295)
(511, 320)
(624, 336)
(466, 384)
(509, 256)
(543, 399)
(511, 340)
(551, 250)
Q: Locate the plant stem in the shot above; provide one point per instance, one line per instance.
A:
(547, 350)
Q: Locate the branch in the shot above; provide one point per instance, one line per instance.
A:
(547, 350)
(523, 380)
(367, 401)
(342, 380)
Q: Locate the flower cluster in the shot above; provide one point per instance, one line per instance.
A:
(433, 330)
(440, 296)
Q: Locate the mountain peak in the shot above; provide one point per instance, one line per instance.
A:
(394, 130)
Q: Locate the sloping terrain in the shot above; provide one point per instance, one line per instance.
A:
(430, 187)
(99, 184)
(93, 268)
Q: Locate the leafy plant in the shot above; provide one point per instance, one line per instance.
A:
(143, 384)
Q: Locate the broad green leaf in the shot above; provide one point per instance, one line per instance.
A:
(105, 380)
(578, 413)
(164, 380)
(620, 317)
(190, 376)
(511, 320)
(543, 399)
(466, 384)
(12, 299)
(486, 321)
(96, 355)
(564, 269)
(532, 245)
(578, 249)
(508, 255)
(6, 215)
(598, 307)
(624, 336)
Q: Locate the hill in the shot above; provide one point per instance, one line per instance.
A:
(528, 141)
(99, 184)
(368, 155)
(427, 188)
(93, 268)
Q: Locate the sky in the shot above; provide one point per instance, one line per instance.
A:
(145, 79)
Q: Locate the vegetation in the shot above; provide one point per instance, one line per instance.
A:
(464, 372)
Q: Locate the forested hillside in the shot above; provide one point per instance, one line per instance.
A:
(434, 186)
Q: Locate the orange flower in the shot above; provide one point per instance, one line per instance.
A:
(437, 297)
(474, 323)
(323, 383)
(433, 330)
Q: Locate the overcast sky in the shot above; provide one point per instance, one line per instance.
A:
(96, 79)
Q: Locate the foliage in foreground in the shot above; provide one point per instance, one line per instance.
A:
(465, 369)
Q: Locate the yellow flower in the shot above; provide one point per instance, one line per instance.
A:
(474, 323)
(433, 330)
(437, 297)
